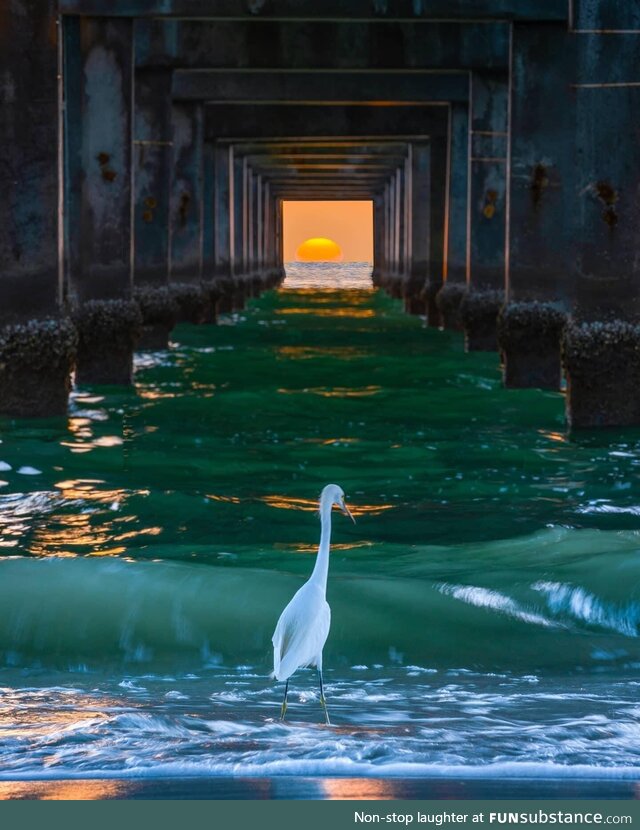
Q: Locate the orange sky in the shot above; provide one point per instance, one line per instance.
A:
(350, 224)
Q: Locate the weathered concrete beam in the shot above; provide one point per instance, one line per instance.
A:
(346, 44)
(343, 169)
(323, 147)
(330, 194)
(324, 158)
(223, 86)
(329, 9)
(274, 121)
(605, 16)
(373, 185)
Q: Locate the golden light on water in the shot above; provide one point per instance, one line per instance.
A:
(217, 497)
(47, 530)
(335, 392)
(329, 312)
(304, 548)
(311, 505)
(311, 353)
(350, 789)
(78, 790)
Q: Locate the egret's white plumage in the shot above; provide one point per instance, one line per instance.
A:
(303, 627)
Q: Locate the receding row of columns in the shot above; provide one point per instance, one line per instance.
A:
(146, 163)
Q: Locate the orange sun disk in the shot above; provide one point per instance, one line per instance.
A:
(319, 249)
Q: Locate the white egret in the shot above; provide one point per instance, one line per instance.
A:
(303, 627)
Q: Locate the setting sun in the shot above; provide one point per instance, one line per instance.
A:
(346, 224)
(319, 249)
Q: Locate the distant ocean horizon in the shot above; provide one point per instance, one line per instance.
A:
(328, 275)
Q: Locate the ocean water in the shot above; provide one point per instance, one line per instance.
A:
(486, 605)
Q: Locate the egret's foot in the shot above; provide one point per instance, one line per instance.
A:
(323, 702)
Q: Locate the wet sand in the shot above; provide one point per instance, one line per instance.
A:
(308, 788)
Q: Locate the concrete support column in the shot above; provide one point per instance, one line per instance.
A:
(419, 223)
(208, 211)
(401, 184)
(223, 227)
(486, 218)
(278, 236)
(391, 231)
(199, 304)
(602, 345)
(438, 212)
(252, 233)
(238, 226)
(394, 284)
(98, 73)
(379, 231)
(36, 346)
(187, 193)
(450, 295)
(268, 263)
(152, 176)
(275, 240)
(258, 235)
(383, 274)
(152, 200)
(539, 239)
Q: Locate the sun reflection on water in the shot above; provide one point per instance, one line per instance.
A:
(311, 352)
(329, 312)
(334, 392)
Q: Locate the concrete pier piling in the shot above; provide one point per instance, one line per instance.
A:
(37, 344)
(538, 285)
(98, 197)
(487, 209)
(148, 146)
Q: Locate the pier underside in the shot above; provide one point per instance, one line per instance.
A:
(148, 148)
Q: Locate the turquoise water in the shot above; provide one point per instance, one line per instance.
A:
(485, 606)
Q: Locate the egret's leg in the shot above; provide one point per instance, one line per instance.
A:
(283, 709)
(323, 702)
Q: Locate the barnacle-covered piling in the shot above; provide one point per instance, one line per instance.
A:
(529, 335)
(36, 360)
(602, 366)
(108, 331)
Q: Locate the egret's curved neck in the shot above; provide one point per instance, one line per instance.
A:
(321, 569)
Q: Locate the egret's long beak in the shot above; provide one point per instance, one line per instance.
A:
(346, 511)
